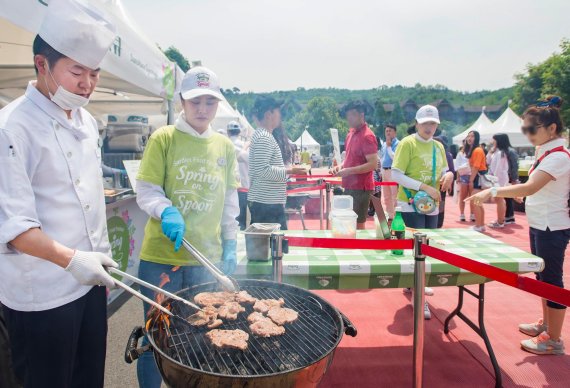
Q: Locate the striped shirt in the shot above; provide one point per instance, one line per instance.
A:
(267, 173)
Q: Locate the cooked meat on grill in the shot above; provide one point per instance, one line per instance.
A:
(282, 315)
(214, 298)
(230, 310)
(256, 316)
(236, 339)
(215, 323)
(263, 305)
(265, 327)
(244, 297)
(205, 317)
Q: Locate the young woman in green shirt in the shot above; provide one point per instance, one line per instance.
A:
(187, 183)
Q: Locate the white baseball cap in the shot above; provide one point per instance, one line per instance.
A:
(78, 30)
(427, 113)
(200, 81)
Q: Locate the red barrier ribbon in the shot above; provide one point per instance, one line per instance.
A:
(305, 189)
(538, 288)
(348, 243)
(385, 184)
(310, 176)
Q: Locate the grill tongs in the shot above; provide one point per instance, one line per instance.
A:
(228, 283)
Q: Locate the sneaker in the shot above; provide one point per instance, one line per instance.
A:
(479, 229)
(509, 221)
(496, 225)
(472, 218)
(542, 344)
(533, 329)
(427, 312)
(462, 218)
(428, 291)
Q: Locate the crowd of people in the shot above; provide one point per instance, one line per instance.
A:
(195, 183)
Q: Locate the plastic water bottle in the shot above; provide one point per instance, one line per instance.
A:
(398, 230)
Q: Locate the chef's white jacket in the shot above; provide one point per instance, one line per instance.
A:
(50, 177)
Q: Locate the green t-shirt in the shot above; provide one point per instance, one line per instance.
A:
(414, 158)
(195, 174)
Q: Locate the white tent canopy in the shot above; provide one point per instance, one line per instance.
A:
(225, 114)
(508, 123)
(306, 141)
(482, 124)
(134, 64)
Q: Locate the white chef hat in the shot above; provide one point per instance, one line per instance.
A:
(78, 31)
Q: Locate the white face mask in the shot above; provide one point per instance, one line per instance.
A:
(64, 98)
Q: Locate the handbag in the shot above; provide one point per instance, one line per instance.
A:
(422, 203)
(487, 181)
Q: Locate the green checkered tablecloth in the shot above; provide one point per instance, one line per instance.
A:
(312, 268)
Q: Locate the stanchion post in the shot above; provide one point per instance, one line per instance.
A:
(419, 300)
(320, 205)
(328, 203)
(276, 242)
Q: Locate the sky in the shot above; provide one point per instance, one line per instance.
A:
(266, 45)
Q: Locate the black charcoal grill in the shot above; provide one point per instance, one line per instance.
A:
(298, 358)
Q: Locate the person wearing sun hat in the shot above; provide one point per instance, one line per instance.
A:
(54, 244)
(187, 183)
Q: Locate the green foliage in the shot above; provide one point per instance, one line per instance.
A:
(550, 77)
(397, 116)
(320, 114)
(402, 130)
(175, 55)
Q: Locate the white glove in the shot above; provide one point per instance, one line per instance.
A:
(88, 268)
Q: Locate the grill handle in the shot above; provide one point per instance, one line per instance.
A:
(132, 353)
(349, 328)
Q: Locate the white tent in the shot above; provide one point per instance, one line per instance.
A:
(306, 141)
(508, 123)
(225, 114)
(134, 63)
(482, 124)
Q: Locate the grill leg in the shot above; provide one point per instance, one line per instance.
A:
(302, 218)
(479, 329)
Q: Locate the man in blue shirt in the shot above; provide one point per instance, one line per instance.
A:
(387, 155)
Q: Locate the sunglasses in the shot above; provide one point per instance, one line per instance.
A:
(530, 129)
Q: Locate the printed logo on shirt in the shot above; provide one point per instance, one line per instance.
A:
(200, 185)
(221, 162)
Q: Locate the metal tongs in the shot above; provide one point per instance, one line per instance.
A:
(152, 287)
(228, 283)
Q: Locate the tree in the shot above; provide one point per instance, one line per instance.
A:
(379, 113)
(175, 55)
(397, 115)
(551, 77)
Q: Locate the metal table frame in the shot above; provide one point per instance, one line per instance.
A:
(279, 247)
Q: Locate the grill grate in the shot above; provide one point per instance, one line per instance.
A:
(305, 341)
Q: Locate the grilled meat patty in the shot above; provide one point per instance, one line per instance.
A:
(235, 339)
(213, 298)
(265, 327)
(256, 316)
(230, 310)
(282, 315)
(244, 297)
(263, 305)
(205, 317)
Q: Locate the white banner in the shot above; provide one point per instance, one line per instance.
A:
(336, 145)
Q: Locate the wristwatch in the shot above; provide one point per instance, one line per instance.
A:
(493, 192)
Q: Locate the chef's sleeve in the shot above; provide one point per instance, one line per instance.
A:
(229, 225)
(17, 200)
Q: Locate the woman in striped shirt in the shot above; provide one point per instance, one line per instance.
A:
(267, 172)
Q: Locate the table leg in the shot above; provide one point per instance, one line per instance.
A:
(479, 329)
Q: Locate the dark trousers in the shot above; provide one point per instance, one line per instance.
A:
(268, 213)
(510, 212)
(62, 347)
(419, 221)
(241, 219)
(550, 246)
(441, 215)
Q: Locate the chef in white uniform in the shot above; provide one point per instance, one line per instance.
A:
(53, 237)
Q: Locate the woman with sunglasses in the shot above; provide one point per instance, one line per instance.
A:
(547, 209)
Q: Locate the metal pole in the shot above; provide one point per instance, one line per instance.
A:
(419, 300)
(320, 182)
(328, 204)
(276, 242)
